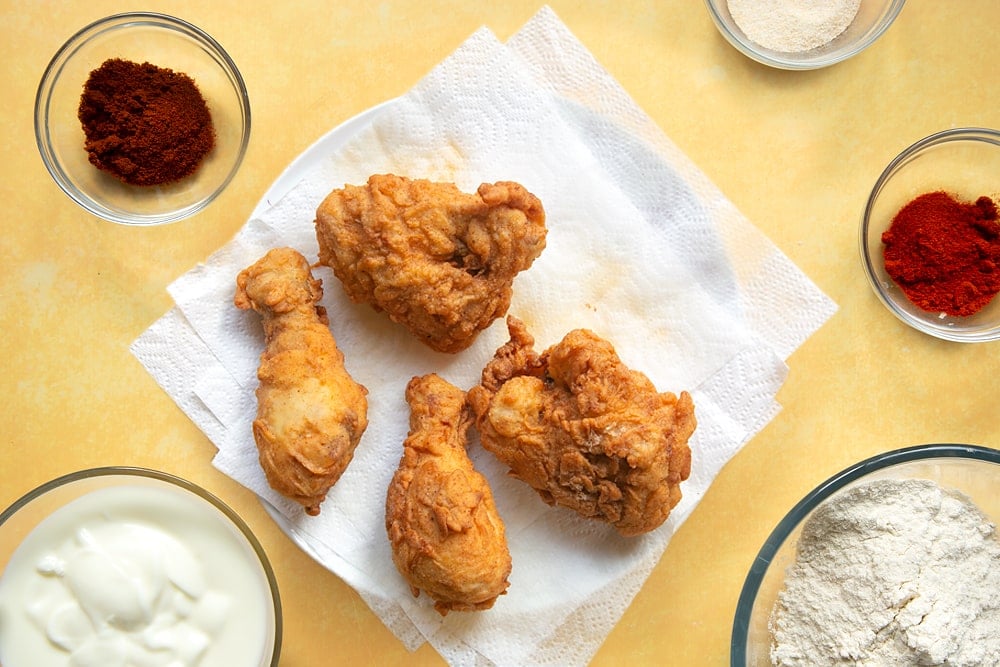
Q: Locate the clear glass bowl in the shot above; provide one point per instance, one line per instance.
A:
(873, 18)
(964, 162)
(970, 469)
(208, 516)
(166, 42)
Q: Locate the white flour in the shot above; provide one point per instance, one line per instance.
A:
(792, 26)
(892, 573)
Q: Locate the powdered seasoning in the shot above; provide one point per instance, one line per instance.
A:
(145, 125)
(792, 26)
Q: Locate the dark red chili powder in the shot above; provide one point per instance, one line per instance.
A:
(144, 124)
(944, 253)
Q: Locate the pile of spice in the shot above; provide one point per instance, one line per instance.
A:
(944, 253)
(793, 26)
(145, 125)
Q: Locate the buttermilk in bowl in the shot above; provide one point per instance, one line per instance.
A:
(136, 575)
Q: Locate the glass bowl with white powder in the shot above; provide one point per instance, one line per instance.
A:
(121, 565)
(802, 34)
(893, 561)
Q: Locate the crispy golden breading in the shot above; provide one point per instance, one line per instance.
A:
(446, 535)
(436, 260)
(310, 412)
(585, 431)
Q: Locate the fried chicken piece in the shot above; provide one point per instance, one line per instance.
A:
(436, 260)
(585, 431)
(446, 535)
(310, 412)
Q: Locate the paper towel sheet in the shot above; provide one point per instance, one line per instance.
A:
(642, 249)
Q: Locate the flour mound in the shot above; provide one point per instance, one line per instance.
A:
(891, 573)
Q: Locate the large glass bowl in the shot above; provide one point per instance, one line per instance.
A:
(964, 162)
(190, 513)
(969, 469)
(166, 42)
(873, 18)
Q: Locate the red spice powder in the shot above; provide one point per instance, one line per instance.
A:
(144, 124)
(944, 253)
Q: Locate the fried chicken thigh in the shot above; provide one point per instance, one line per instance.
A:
(446, 535)
(585, 431)
(310, 412)
(436, 260)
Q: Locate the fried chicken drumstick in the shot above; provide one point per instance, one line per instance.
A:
(585, 431)
(310, 412)
(446, 536)
(436, 260)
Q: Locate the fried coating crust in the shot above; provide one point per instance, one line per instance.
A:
(310, 412)
(582, 429)
(436, 260)
(446, 535)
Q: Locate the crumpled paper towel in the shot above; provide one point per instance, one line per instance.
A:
(641, 248)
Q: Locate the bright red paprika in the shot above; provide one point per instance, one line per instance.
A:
(944, 253)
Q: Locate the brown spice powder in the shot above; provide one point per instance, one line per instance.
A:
(145, 125)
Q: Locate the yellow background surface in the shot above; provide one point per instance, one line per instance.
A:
(797, 152)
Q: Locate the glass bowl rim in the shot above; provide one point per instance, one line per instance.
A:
(971, 133)
(774, 59)
(51, 74)
(180, 482)
(780, 533)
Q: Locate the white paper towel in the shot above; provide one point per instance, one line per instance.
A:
(642, 249)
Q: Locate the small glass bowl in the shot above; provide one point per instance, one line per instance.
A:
(199, 511)
(969, 469)
(873, 18)
(964, 162)
(166, 42)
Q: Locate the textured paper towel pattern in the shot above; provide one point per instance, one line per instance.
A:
(696, 300)
(784, 318)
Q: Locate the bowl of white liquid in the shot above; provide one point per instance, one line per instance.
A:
(116, 566)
